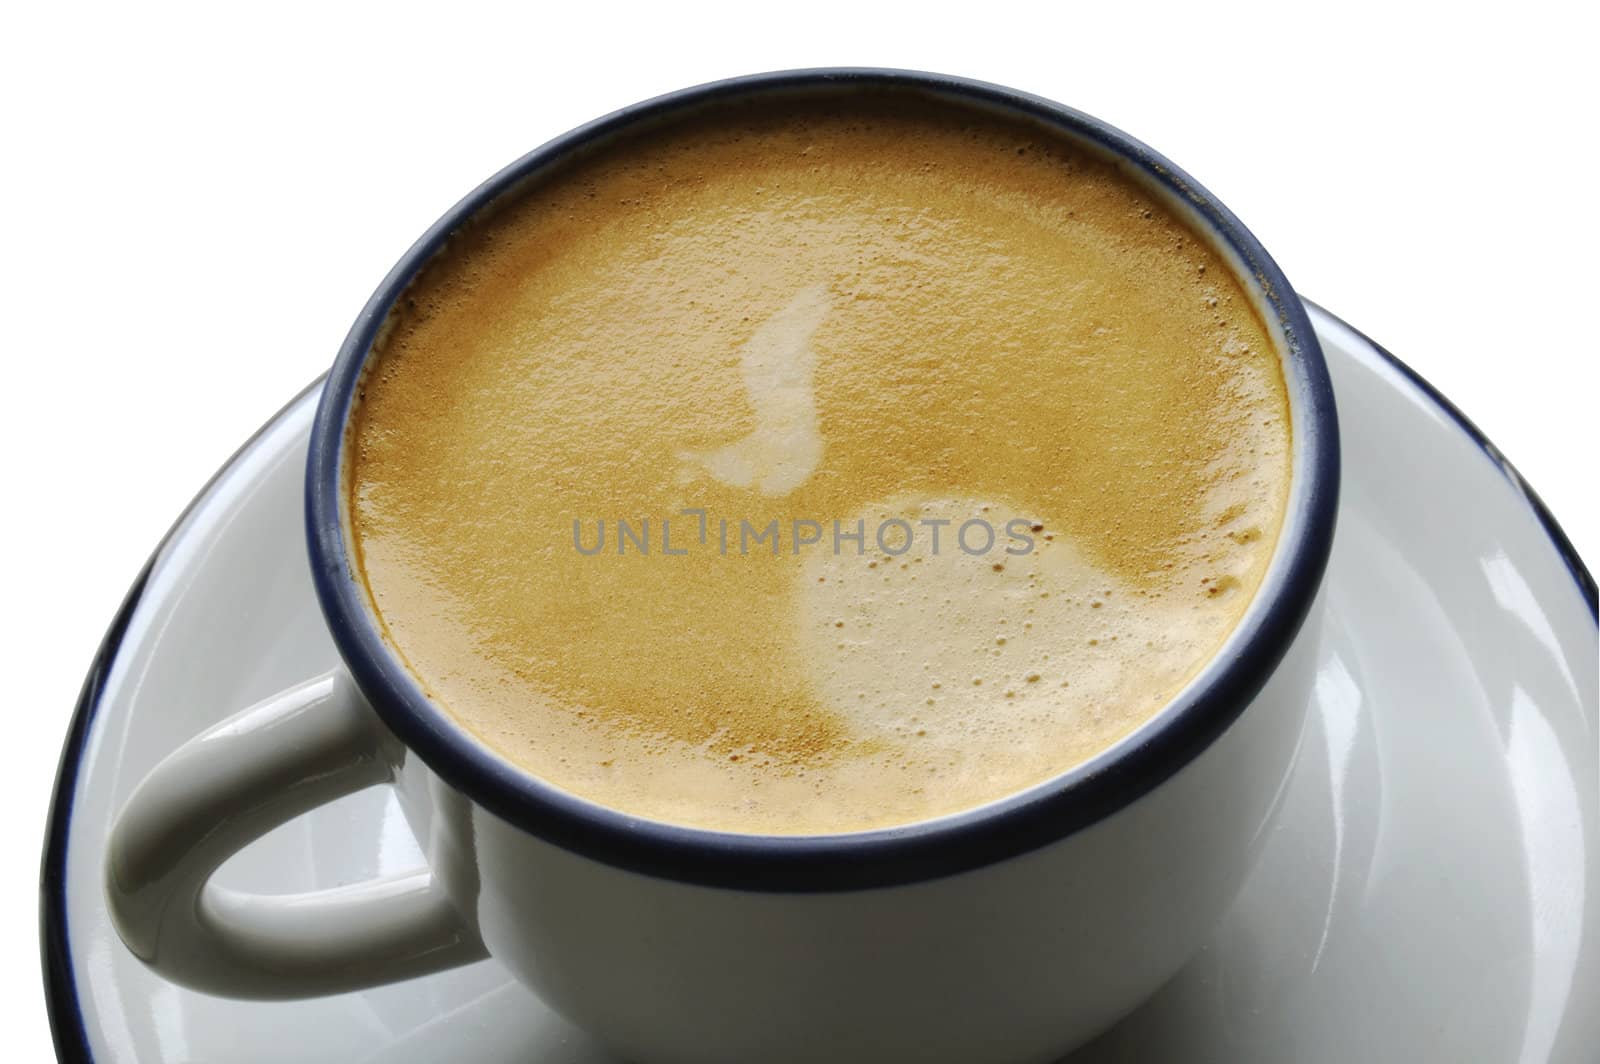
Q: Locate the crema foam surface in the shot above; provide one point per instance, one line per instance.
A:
(809, 320)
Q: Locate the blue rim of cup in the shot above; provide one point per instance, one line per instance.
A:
(884, 857)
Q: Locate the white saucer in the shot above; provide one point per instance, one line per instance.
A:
(1432, 891)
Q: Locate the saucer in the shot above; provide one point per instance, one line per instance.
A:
(1431, 890)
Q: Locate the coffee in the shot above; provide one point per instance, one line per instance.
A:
(817, 467)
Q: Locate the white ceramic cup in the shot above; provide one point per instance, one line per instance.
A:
(1010, 932)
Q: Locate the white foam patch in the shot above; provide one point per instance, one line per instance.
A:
(778, 366)
(994, 652)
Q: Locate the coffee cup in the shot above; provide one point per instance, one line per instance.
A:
(1007, 924)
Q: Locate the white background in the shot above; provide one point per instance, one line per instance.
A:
(197, 203)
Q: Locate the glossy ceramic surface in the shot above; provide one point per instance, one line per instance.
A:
(1429, 892)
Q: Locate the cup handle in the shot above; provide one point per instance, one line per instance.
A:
(264, 766)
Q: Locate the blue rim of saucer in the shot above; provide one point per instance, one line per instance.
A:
(947, 845)
(62, 1001)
